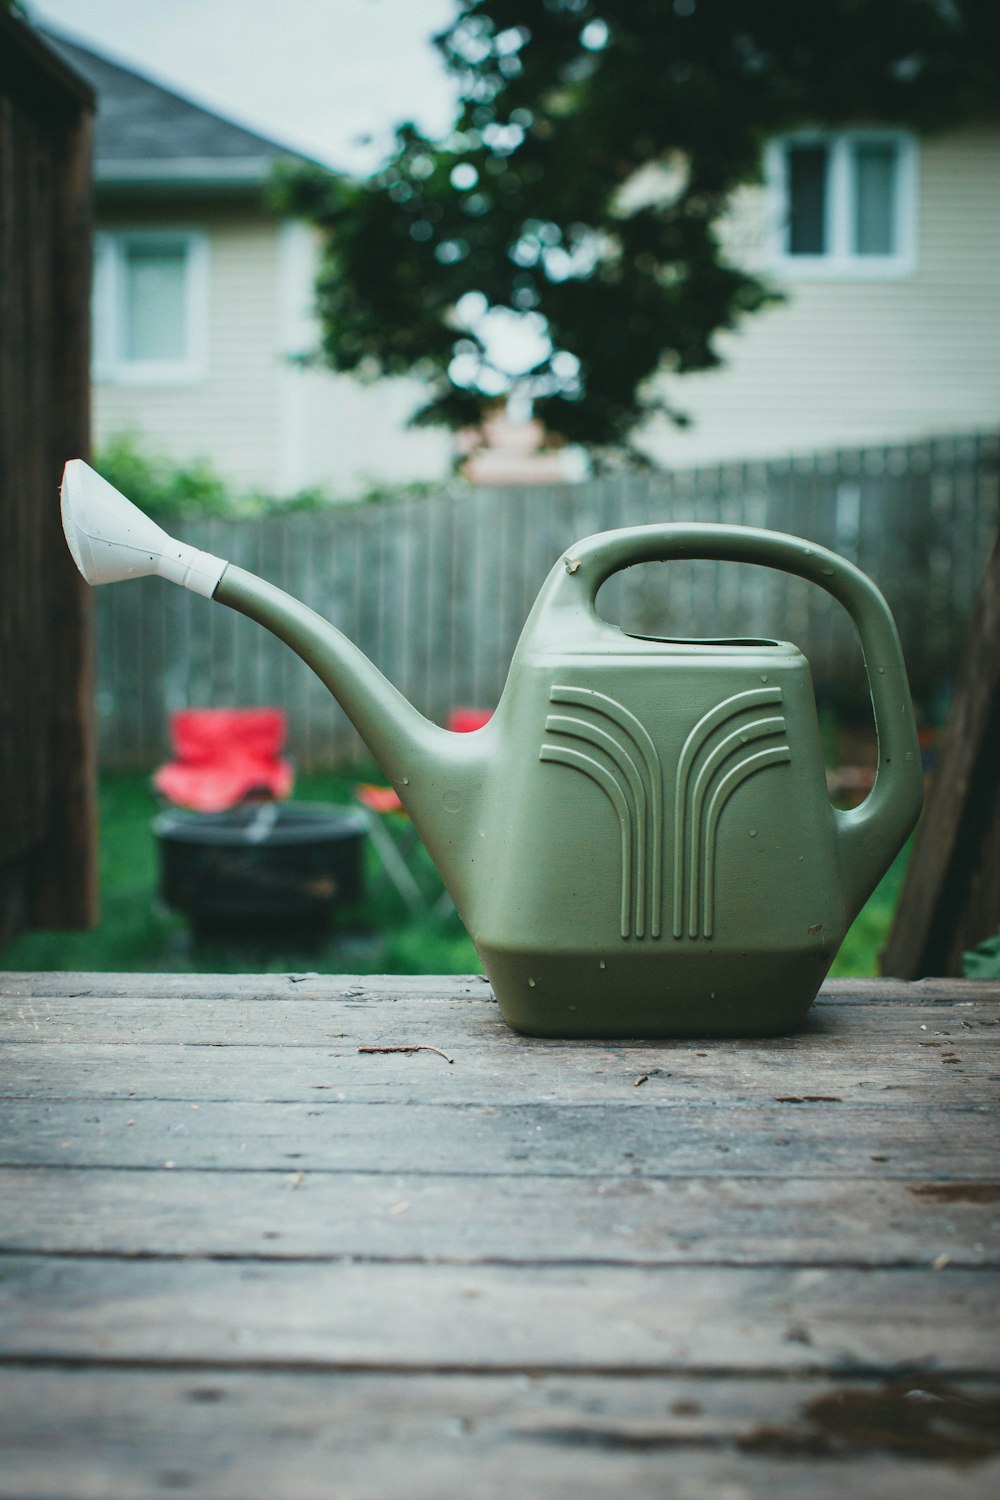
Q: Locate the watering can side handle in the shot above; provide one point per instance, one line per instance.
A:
(869, 835)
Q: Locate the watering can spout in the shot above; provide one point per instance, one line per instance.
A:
(111, 539)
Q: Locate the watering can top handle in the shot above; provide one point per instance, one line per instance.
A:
(575, 582)
(568, 603)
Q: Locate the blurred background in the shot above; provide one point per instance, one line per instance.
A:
(392, 322)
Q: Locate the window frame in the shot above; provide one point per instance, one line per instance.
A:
(841, 262)
(111, 365)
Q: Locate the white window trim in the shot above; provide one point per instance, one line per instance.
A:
(841, 262)
(109, 365)
(298, 336)
(298, 268)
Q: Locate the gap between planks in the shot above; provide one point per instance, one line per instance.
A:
(860, 1372)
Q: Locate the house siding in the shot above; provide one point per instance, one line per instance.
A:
(261, 422)
(838, 363)
(228, 417)
(853, 361)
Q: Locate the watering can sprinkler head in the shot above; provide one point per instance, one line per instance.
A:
(111, 539)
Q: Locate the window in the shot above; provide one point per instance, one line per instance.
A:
(150, 307)
(847, 204)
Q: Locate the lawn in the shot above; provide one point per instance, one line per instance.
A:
(136, 933)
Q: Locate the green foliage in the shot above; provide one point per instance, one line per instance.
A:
(527, 204)
(858, 957)
(158, 485)
(133, 934)
(983, 962)
(136, 934)
(189, 491)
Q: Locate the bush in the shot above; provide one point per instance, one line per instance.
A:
(166, 489)
(983, 962)
(158, 485)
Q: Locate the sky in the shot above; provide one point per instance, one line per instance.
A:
(320, 76)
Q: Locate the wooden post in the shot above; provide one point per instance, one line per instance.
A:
(951, 897)
(47, 785)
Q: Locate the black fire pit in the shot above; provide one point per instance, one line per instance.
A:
(263, 872)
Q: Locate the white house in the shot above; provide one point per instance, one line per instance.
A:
(202, 300)
(883, 244)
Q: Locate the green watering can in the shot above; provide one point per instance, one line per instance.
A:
(639, 841)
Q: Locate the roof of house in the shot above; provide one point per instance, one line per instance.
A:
(146, 135)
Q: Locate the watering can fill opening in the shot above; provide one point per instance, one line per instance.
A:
(699, 640)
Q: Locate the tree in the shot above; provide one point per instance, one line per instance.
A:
(596, 146)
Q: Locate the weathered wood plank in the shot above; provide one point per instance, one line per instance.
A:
(98, 986)
(634, 1139)
(291, 1019)
(515, 1219)
(514, 1073)
(515, 1273)
(286, 1020)
(612, 1319)
(234, 1436)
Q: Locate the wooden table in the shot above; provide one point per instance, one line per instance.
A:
(245, 1255)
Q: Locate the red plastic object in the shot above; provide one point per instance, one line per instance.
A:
(465, 720)
(379, 799)
(383, 799)
(224, 756)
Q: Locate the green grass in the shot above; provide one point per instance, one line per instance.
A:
(858, 957)
(136, 933)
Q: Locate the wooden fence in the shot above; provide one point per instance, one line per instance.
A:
(436, 590)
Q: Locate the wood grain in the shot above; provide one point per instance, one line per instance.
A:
(651, 1138)
(884, 1322)
(47, 832)
(295, 1074)
(240, 1258)
(390, 988)
(469, 1218)
(230, 1436)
